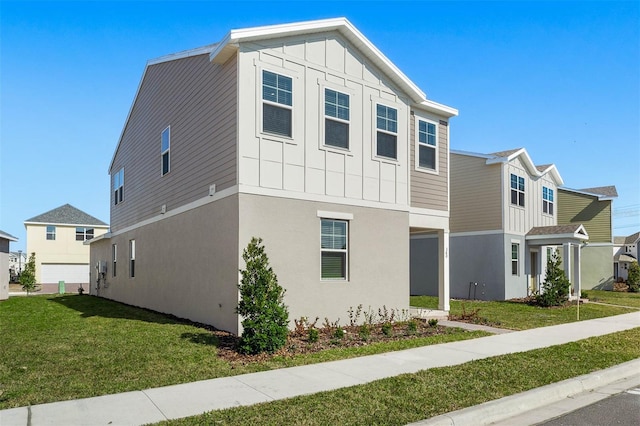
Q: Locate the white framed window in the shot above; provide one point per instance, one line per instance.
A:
(118, 186)
(426, 145)
(84, 234)
(517, 190)
(334, 249)
(547, 200)
(132, 258)
(277, 104)
(114, 258)
(165, 148)
(386, 132)
(336, 118)
(515, 257)
(51, 232)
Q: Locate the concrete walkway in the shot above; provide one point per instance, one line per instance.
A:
(171, 402)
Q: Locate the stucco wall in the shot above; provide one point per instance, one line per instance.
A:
(378, 255)
(424, 265)
(477, 258)
(596, 267)
(4, 275)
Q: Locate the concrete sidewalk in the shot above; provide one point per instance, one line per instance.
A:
(170, 402)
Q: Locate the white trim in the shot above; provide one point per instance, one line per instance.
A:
(105, 236)
(436, 147)
(429, 212)
(345, 251)
(334, 215)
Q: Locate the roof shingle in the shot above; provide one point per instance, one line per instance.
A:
(67, 214)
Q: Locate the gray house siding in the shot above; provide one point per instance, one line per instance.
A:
(423, 253)
(198, 100)
(430, 191)
(478, 259)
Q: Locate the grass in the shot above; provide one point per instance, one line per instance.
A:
(55, 348)
(412, 397)
(520, 316)
(614, 297)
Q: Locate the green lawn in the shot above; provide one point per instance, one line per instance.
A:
(55, 348)
(520, 316)
(614, 297)
(412, 397)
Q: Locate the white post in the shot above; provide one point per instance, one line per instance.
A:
(443, 270)
(566, 259)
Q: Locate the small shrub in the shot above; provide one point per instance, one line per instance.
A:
(338, 333)
(555, 289)
(28, 276)
(432, 322)
(354, 315)
(364, 332)
(412, 327)
(387, 329)
(312, 335)
(633, 279)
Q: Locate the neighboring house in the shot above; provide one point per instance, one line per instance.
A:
(302, 134)
(625, 252)
(504, 225)
(57, 237)
(5, 240)
(17, 260)
(592, 208)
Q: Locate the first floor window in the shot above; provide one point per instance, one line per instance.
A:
(114, 257)
(51, 232)
(514, 258)
(427, 147)
(277, 102)
(386, 131)
(165, 145)
(334, 249)
(547, 200)
(118, 186)
(132, 258)
(517, 190)
(83, 234)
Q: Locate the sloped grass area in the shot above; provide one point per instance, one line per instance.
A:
(54, 348)
(614, 297)
(520, 316)
(412, 397)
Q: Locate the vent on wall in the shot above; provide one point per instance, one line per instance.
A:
(212, 189)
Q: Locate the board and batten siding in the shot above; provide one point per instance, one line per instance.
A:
(520, 220)
(302, 163)
(198, 100)
(476, 203)
(587, 210)
(430, 190)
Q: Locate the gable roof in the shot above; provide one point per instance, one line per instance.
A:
(66, 215)
(508, 155)
(557, 234)
(7, 236)
(602, 193)
(632, 239)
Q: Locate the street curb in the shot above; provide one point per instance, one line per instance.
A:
(510, 406)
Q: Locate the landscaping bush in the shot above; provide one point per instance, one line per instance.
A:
(265, 316)
(555, 289)
(28, 276)
(633, 279)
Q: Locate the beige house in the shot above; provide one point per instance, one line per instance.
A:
(5, 240)
(302, 134)
(57, 237)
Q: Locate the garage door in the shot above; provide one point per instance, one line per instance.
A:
(68, 273)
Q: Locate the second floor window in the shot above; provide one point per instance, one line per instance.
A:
(547, 200)
(277, 102)
(83, 234)
(165, 145)
(386, 132)
(427, 145)
(336, 123)
(51, 232)
(517, 190)
(118, 186)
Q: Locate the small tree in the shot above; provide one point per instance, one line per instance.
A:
(633, 279)
(28, 276)
(265, 316)
(555, 289)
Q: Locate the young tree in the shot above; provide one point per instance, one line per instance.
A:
(265, 316)
(555, 289)
(28, 276)
(633, 279)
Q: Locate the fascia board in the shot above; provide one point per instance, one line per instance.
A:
(436, 108)
(8, 237)
(598, 196)
(231, 41)
(470, 154)
(105, 236)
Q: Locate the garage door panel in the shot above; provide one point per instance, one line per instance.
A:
(65, 272)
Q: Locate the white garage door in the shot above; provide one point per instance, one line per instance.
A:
(68, 273)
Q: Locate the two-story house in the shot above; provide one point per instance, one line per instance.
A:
(5, 240)
(592, 208)
(302, 134)
(504, 225)
(625, 252)
(57, 237)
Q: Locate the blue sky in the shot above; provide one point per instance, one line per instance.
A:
(561, 79)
